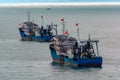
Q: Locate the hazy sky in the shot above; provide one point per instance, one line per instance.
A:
(39, 1)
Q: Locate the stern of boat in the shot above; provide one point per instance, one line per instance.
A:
(95, 62)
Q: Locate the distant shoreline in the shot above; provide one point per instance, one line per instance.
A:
(61, 4)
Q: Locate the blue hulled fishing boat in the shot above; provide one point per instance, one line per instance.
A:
(29, 31)
(68, 51)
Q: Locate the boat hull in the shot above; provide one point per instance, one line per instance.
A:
(79, 62)
(26, 37)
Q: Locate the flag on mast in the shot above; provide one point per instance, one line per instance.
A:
(66, 32)
(41, 17)
(76, 24)
(62, 19)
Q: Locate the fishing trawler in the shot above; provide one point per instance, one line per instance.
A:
(30, 31)
(68, 50)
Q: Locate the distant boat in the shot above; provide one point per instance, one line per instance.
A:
(68, 51)
(29, 31)
(48, 8)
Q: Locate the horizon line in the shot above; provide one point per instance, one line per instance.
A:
(60, 4)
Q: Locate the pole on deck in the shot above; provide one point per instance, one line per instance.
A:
(97, 48)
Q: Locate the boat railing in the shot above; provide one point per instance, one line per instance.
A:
(92, 42)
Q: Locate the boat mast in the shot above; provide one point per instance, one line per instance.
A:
(42, 20)
(63, 23)
(78, 32)
(28, 16)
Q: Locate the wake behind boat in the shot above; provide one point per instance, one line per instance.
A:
(68, 51)
(30, 31)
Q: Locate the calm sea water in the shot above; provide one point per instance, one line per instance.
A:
(21, 60)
